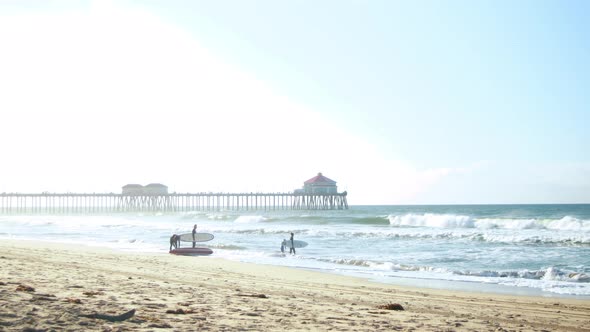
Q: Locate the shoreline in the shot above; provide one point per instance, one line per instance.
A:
(74, 286)
(477, 287)
(449, 285)
(402, 281)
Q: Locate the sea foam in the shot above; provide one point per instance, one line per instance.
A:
(250, 219)
(432, 220)
(461, 221)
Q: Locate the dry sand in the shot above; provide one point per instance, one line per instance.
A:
(54, 287)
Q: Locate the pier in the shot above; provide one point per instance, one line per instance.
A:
(105, 203)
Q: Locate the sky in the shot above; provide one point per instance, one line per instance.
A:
(400, 102)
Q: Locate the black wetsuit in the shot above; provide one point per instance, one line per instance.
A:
(292, 249)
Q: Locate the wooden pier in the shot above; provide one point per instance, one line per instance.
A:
(74, 203)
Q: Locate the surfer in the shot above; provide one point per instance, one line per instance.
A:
(194, 234)
(292, 249)
(174, 241)
(283, 246)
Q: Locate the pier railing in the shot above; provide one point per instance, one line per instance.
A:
(76, 203)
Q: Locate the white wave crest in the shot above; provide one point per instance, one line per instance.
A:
(569, 223)
(566, 223)
(432, 220)
(549, 274)
(509, 224)
(553, 273)
(249, 219)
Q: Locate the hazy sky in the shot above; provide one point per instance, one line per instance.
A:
(400, 102)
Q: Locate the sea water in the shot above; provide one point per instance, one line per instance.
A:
(518, 249)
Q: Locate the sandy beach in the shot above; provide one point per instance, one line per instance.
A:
(56, 287)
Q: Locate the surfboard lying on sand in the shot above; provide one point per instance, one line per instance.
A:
(296, 244)
(199, 237)
(191, 251)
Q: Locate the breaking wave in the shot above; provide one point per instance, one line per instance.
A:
(250, 219)
(431, 220)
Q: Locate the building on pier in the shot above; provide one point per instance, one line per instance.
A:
(150, 189)
(320, 184)
(155, 189)
(132, 189)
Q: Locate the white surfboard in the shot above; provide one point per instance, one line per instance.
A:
(199, 237)
(296, 244)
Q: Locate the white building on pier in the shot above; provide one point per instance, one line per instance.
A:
(133, 189)
(150, 189)
(320, 184)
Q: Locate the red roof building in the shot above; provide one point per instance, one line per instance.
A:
(320, 184)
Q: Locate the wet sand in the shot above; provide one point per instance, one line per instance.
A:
(56, 287)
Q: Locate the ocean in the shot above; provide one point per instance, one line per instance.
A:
(515, 249)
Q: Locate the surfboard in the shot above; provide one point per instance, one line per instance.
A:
(199, 237)
(191, 251)
(296, 244)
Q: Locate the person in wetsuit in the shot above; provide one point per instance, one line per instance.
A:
(292, 245)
